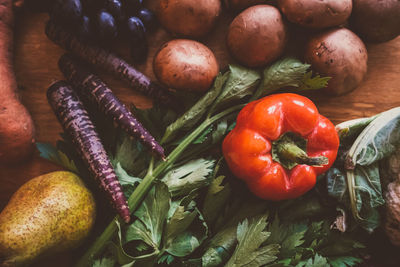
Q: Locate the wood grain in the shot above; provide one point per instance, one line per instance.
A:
(36, 68)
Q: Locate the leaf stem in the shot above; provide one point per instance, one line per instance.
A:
(140, 192)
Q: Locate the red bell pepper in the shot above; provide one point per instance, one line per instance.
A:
(279, 145)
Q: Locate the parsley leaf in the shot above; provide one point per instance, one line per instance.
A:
(185, 230)
(191, 176)
(56, 156)
(215, 199)
(317, 261)
(290, 236)
(195, 113)
(151, 216)
(127, 182)
(250, 237)
(283, 73)
(104, 262)
(344, 261)
(241, 83)
(313, 83)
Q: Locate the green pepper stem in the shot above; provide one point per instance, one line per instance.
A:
(290, 151)
(140, 192)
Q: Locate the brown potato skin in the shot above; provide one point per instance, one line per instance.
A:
(257, 36)
(376, 21)
(188, 18)
(316, 13)
(341, 55)
(185, 65)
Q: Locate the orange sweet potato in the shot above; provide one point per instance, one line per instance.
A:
(16, 126)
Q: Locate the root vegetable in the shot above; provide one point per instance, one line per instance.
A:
(188, 18)
(339, 54)
(376, 20)
(77, 124)
(185, 65)
(316, 13)
(16, 125)
(97, 91)
(107, 61)
(257, 36)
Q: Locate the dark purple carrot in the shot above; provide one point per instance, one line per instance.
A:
(94, 89)
(77, 124)
(110, 62)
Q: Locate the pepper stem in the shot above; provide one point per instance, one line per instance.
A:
(290, 151)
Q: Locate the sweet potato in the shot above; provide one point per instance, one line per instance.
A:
(16, 125)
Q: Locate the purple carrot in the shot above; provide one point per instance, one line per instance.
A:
(94, 89)
(77, 124)
(108, 61)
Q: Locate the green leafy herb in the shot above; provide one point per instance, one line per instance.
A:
(317, 261)
(344, 261)
(249, 251)
(283, 73)
(151, 216)
(309, 82)
(289, 236)
(337, 185)
(127, 182)
(130, 154)
(191, 176)
(181, 236)
(215, 199)
(366, 195)
(241, 83)
(169, 227)
(352, 128)
(220, 247)
(53, 154)
(193, 115)
(155, 119)
(104, 262)
(378, 140)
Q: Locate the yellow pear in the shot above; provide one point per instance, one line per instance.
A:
(50, 213)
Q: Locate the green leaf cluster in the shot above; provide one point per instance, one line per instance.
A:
(356, 182)
(195, 214)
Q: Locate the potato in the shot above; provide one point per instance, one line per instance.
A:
(376, 20)
(239, 5)
(316, 13)
(339, 54)
(188, 18)
(185, 65)
(257, 36)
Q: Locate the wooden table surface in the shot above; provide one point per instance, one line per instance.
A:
(36, 67)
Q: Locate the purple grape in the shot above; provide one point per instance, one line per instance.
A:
(106, 26)
(148, 18)
(115, 8)
(135, 29)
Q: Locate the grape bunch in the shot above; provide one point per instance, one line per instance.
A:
(102, 21)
